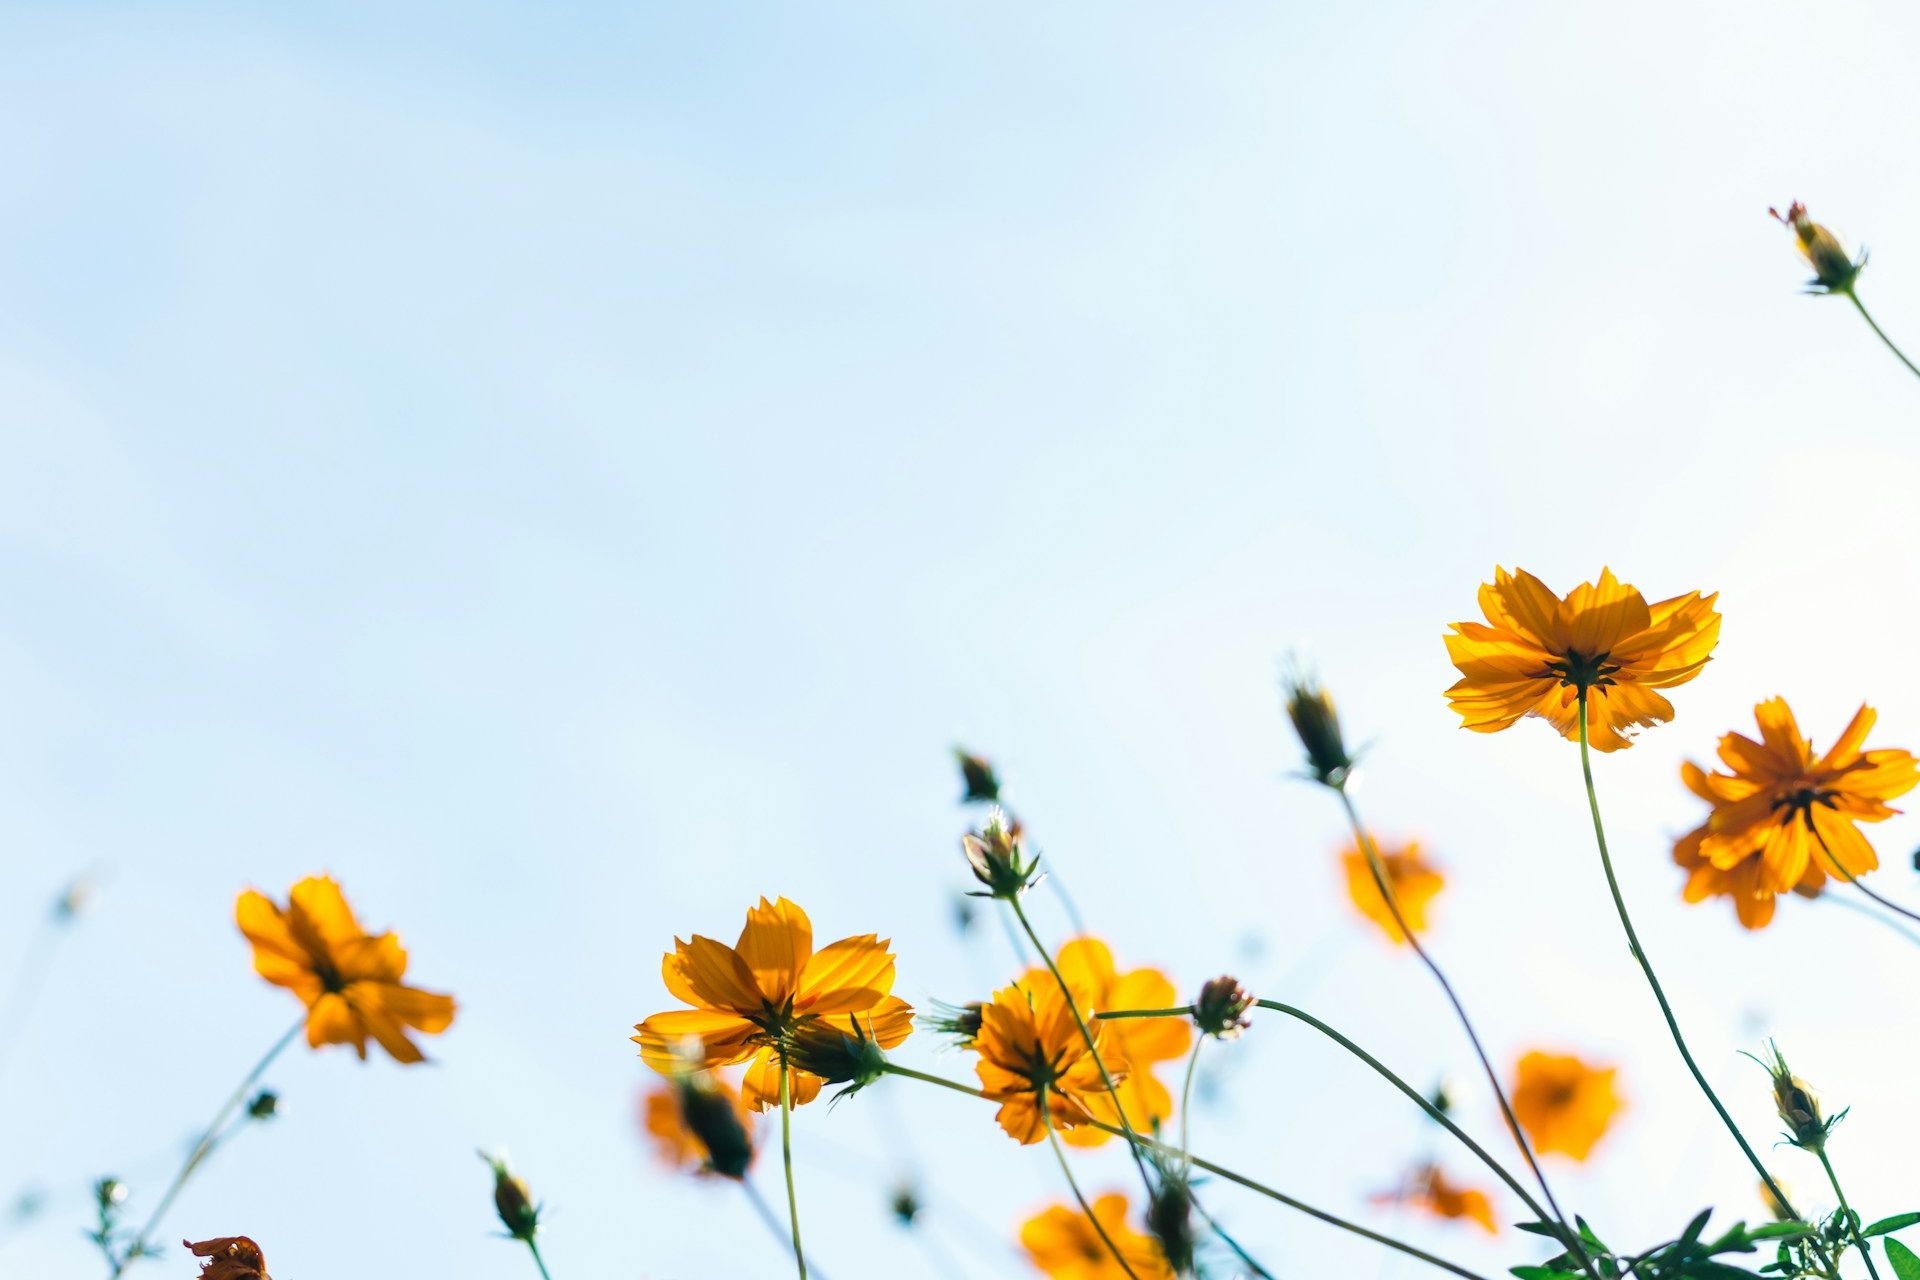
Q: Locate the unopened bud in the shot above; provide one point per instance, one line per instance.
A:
(1310, 707)
(836, 1057)
(977, 776)
(511, 1199)
(713, 1117)
(904, 1204)
(1170, 1219)
(1833, 270)
(998, 856)
(265, 1105)
(1798, 1107)
(1221, 1007)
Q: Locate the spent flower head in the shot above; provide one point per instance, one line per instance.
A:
(1220, 1010)
(998, 855)
(1796, 1103)
(229, 1258)
(511, 1199)
(1311, 709)
(1833, 270)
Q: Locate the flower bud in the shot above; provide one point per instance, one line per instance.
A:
(977, 776)
(1796, 1104)
(836, 1057)
(265, 1105)
(961, 1021)
(713, 1117)
(999, 858)
(511, 1199)
(905, 1204)
(1833, 270)
(1170, 1218)
(1310, 707)
(73, 899)
(1221, 1007)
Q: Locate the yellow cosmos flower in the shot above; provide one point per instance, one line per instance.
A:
(1136, 1043)
(1777, 804)
(699, 1123)
(1414, 882)
(348, 979)
(748, 998)
(1063, 1245)
(1536, 651)
(1429, 1189)
(1030, 1045)
(1564, 1104)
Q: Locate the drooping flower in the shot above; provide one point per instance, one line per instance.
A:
(1565, 1105)
(229, 1258)
(1427, 1187)
(1063, 1245)
(1031, 1047)
(1137, 1043)
(1536, 651)
(1414, 881)
(1777, 804)
(1833, 270)
(700, 1123)
(748, 999)
(349, 980)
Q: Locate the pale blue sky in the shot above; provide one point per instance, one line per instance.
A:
(569, 470)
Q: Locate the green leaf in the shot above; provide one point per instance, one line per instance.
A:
(1694, 1229)
(1540, 1229)
(1897, 1222)
(1788, 1230)
(1905, 1264)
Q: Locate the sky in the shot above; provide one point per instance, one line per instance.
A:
(569, 470)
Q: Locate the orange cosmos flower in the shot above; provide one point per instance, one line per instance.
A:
(1030, 1046)
(229, 1258)
(748, 998)
(1061, 1243)
(348, 979)
(1564, 1104)
(1777, 805)
(699, 1122)
(1414, 882)
(1137, 1043)
(1428, 1188)
(1536, 652)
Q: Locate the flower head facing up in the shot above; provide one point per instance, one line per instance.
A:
(511, 1199)
(1537, 652)
(1414, 881)
(700, 1123)
(1797, 1104)
(1833, 270)
(1220, 1010)
(1130, 1046)
(1031, 1048)
(1777, 805)
(997, 854)
(1310, 708)
(229, 1258)
(749, 999)
(1564, 1105)
(1063, 1245)
(1429, 1189)
(349, 980)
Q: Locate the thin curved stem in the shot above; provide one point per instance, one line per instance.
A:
(1217, 1171)
(1186, 1091)
(1086, 1033)
(1840, 869)
(1375, 865)
(1646, 967)
(1386, 1073)
(1880, 333)
(204, 1147)
(1846, 1210)
(764, 1211)
(1066, 1171)
(1862, 909)
(538, 1261)
(786, 1158)
(1220, 1231)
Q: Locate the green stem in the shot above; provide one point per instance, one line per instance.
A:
(202, 1148)
(764, 1211)
(1228, 1240)
(1646, 967)
(1850, 878)
(1862, 909)
(1217, 1171)
(1186, 1092)
(786, 1158)
(1861, 307)
(1375, 865)
(1419, 1099)
(1846, 1211)
(538, 1261)
(1086, 1033)
(1066, 1171)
